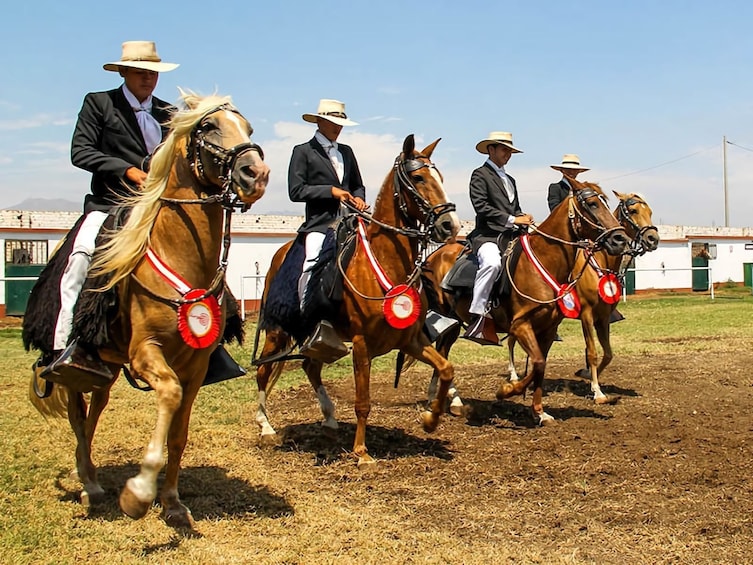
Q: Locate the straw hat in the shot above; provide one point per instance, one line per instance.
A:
(571, 162)
(330, 110)
(140, 55)
(497, 137)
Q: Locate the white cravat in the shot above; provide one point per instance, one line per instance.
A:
(505, 180)
(150, 128)
(334, 154)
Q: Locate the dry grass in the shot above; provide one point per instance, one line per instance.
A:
(660, 477)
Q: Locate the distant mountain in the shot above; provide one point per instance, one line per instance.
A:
(47, 205)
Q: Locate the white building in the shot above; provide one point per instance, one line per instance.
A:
(29, 238)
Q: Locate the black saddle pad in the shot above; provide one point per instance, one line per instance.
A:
(325, 287)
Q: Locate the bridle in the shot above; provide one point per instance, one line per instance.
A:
(418, 229)
(222, 157)
(578, 217)
(225, 159)
(623, 216)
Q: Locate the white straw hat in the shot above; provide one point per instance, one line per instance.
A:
(571, 162)
(140, 55)
(330, 110)
(496, 138)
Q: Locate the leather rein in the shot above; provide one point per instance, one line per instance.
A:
(419, 229)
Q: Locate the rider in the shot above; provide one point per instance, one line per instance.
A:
(494, 196)
(116, 132)
(323, 174)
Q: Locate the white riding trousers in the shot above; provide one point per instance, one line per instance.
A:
(75, 275)
(489, 267)
(313, 244)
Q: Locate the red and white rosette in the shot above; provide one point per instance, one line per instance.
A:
(199, 322)
(610, 288)
(568, 302)
(401, 306)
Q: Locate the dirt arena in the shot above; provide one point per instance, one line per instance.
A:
(661, 476)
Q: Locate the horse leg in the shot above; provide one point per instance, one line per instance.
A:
(525, 335)
(587, 322)
(313, 371)
(422, 350)
(602, 331)
(266, 375)
(92, 493)
(513, 377)
(149, 363)
(174, 513)
(362, 375)
(444, 344)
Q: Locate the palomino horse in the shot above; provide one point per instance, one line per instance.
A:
(206, 167)
(531, 313)
(598, 286)
(411, 208)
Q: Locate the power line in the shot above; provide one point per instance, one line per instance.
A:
(740, 146)
(662, 164)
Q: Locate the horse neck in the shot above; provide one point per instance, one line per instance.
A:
(396, 253)
(558, 258)
(188, 237)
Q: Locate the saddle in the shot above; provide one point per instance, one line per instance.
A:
(462, 275)
(325, 287)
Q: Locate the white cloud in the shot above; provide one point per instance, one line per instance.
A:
(31, 122)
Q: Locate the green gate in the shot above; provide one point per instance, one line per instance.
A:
(700, 276)
(23, 258)
(748, 274)
(630, 278)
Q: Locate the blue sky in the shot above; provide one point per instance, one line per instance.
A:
(643, 91)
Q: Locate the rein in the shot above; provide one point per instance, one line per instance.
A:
(574, 216)
(402, 183)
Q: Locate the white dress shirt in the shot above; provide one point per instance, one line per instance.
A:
(150, 128)
(330, 147)
(509, 189)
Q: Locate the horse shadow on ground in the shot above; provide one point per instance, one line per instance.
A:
(329, 446)
(501, 414)
(582, 387)
(208, 491)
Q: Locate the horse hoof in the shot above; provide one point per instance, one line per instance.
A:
(366, 463)
(506, 390)
(131, 505)
(429, 422)
(179, 518)
(457, 409)
(545, 419)
(269, 440)
(603, 399)
(92, 497)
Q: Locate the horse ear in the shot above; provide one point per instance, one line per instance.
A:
(409, 145)
(620, 195)
(429, 149)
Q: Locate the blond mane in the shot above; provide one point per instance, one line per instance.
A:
(126, 246)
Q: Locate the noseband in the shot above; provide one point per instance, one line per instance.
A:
(221, 157)
(623, 216)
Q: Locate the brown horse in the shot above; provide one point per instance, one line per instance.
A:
(634, 214)
(531, 314)
(206, 167)
(411, 208)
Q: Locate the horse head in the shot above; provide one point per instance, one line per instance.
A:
(221, 153)
(634, 214)
(419, 193)
(592, 220)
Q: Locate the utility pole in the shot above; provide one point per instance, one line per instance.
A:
(724, 181)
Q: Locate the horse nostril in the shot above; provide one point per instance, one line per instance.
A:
(447, 226)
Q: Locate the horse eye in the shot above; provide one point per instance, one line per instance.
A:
(417, 178)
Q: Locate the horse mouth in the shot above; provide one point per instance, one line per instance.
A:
(616, 243)
(446, 228)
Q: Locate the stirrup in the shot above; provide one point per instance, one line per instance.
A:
(78, 369)
(324, 344)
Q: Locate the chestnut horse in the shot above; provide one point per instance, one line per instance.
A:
(206, 167)
(634, 214)
(411, 209)
(530, 314)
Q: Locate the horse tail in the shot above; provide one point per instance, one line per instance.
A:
(53, 406)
